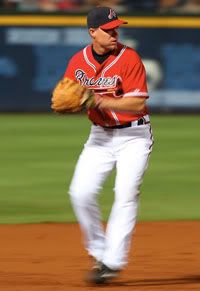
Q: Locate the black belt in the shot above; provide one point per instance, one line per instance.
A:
(140, 121)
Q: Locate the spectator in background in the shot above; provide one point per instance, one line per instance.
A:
(69, 4)
(54, 5)
(165, 5)
(10, 4)
(118, 5)
(47, 5)
(188, 6)
(50, 5)
(29, 5)
(141, 5)
(180, 6)
(126, 5)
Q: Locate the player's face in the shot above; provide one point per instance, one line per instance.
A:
(104, 40)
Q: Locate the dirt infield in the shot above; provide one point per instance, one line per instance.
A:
(50, 257)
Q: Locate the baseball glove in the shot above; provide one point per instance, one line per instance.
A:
(70, 96)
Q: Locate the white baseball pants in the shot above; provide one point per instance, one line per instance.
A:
(126, 149)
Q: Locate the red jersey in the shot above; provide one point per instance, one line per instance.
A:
(122, 74)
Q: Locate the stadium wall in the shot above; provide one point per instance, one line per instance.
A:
(35, 49)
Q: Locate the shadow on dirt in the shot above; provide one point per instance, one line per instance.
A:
(195, 279)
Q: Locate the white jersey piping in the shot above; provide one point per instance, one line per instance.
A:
(87, 60)
(115, 117)
(135, 94)
(115, 60)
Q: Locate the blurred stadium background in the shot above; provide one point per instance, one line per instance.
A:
(38, 152)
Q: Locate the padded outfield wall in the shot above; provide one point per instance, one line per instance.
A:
(35, 49)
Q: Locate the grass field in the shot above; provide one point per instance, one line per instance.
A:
(38, 154)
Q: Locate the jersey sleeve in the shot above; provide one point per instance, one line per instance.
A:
(134, 83)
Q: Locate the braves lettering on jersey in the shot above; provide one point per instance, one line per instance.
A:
(121, 74)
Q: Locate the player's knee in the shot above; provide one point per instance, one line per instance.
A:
(125, 196)
(82, 196)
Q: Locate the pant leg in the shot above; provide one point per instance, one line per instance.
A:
(94, 165)
(132, 161)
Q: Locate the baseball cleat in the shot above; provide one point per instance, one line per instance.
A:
(101, 275)
(97, 265)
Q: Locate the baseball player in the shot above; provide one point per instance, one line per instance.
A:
(120, 138)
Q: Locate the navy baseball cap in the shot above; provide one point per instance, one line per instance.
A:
(103, 17)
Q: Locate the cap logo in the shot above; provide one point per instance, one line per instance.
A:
(112, 14)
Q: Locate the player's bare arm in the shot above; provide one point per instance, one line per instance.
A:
(136, 104)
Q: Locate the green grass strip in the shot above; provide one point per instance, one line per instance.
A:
(38, 154)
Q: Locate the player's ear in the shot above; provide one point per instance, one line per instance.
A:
(92, 32)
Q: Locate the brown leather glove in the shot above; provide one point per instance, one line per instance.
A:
(70, 96)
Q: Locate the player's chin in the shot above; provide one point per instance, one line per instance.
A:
(113, 45)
